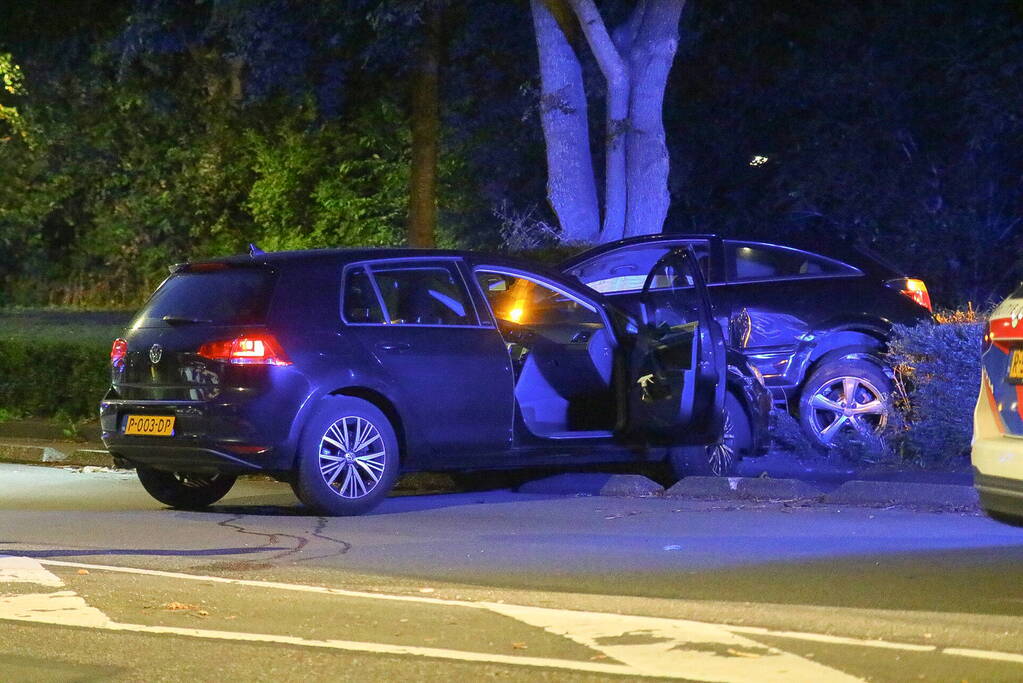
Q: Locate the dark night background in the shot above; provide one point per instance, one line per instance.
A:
(154, 131)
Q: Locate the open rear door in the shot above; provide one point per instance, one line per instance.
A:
(677, 366)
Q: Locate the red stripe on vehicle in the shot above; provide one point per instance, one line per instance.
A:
(1004, 329)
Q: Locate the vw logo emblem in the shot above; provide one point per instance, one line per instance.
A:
(155, 353)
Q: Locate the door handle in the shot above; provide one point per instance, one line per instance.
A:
(394, 346)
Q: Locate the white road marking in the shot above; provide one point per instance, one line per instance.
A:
(26, 570)
(670, 647)
(985, 654)
(645, 646)
(831, 640)
(66, 608)
(658, 647)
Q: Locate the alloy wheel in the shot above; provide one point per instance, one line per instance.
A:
(722, 455)
(352, 457)
(844, 403)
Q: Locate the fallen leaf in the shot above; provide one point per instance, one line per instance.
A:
(520, 646)
(178, 606)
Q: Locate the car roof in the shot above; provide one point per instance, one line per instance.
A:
(358, 254)
(855, 253)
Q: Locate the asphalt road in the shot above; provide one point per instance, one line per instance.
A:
(100, 582)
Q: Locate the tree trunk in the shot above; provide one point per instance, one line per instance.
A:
(571, 188)
(422, 215)
(651, 55)
(616, 74)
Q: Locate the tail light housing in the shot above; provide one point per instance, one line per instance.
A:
(248, 349)
(914, 289)
(117, 352)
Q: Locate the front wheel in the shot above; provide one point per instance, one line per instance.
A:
(348, 460)
(185, 490)
(720, 459)
(849, 396)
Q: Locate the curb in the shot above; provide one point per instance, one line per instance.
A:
(595, 484)
(48, 455)
(745, 488)
(901, 493)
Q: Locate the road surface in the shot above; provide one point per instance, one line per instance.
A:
(100, 582)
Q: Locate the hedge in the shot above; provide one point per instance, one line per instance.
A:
(937, 371)
(52, 378)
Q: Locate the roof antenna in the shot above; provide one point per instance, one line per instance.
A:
(255, 251)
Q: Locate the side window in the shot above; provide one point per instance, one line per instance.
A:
(625, 269)
(525, 302)
(361, 304)
(756, 261)
(424, 295)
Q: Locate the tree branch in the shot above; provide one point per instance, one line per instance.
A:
(616, 73)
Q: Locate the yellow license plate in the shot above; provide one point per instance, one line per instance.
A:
(1016, 364)
(149, 425)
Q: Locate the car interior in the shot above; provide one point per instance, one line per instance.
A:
(562, 354)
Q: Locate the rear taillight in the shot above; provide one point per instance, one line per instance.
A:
(914, 289)
(117, 352)
(249, 349)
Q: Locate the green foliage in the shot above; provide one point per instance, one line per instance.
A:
(55, 363)
(13, 82)
(337, 185)
(937, 368)
(52, 378)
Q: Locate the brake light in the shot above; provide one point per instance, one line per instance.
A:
(249, 349)
(914, 289)
(117, 352)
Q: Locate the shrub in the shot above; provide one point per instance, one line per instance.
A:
(937, 377)
(54, 363)
(52, 378)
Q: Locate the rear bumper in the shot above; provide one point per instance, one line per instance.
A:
(999, 494)
(178, 457)
(208, 436)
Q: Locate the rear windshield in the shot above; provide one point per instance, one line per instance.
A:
(233, 296)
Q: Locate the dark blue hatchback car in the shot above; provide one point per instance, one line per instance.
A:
(336, 370)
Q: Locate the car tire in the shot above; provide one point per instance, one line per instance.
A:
(846, 393)
(184, 490)
(348, 458)
(716, 460)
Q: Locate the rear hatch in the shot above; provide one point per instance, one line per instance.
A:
(1002, 359)
(177, 345)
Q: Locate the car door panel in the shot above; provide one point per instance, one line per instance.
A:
(677, 367)
(456, 379)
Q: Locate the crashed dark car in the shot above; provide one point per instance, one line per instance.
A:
(337, 370)
(814, 323)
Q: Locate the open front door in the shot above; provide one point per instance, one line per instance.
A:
(677, 366)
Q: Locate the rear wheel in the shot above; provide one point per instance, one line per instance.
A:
(349, 458)
(721, 459)
(845, 395)
(186, 490)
